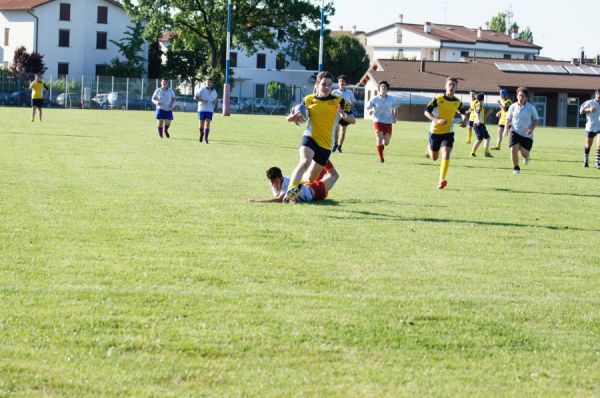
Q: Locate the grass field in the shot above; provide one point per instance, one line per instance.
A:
(130, 265)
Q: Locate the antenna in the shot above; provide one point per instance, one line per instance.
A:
(509, 16)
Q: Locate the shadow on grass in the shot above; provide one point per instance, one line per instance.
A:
(579, 195)
(51, 134)
(367, 215)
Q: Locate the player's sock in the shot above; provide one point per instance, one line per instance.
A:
(206, 131)
(586, 156)
(167, 132)
(597, 157)
(160, 132)
(380, 151)
(328, 166)
(201, 134)
(444, 169)
(469, 136)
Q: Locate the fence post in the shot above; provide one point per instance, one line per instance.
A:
(112, 84)
(127, 94)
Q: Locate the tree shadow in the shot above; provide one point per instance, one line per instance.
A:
(579, 195)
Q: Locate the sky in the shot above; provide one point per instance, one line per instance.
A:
(561, 28)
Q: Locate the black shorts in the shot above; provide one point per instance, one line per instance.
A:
(343, 122)
(501, 126)
(481, 132)
(526, 143)
(592, 134)
(471, 123)
(321, 154)
(37, 102)
(436, 141)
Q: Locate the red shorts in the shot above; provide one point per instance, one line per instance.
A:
(383, 127)
(319, 189)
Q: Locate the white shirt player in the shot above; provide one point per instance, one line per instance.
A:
(383, 108)
(306, 194)
(346, 94)
(593, 118)
(206, 94)
(166, 98)
(521, 118)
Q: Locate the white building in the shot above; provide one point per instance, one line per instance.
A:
(72, 35)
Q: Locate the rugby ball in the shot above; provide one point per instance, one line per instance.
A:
(301, 109)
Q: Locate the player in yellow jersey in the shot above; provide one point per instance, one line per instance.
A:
(324, 112)
(441, 111)
(504, 103)
(37, 88)
(481, 132)
(472, 105)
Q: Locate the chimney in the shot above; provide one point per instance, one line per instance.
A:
(582, 58)
(598, 59)
(515, 33)
(341, 27)
(401, 18)
(479, 33)
(422, 69)
(427, 27)
(353, 28)
(487, 25)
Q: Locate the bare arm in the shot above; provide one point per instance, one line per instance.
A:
(276, 199)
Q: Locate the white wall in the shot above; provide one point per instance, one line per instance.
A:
(244, 80)
(21, 27)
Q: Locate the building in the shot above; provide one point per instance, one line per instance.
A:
(440, 42)
(558, 87)
(72, 35)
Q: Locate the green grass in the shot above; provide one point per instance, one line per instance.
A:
(130, 265)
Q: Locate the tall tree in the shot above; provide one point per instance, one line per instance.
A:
(526, 35)
(257, 24)
(186, 61)
(498, 23)
(154, 60)
(25, 63)
(130, 47)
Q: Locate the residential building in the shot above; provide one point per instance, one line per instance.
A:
(72, 35)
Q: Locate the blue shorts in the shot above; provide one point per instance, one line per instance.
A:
(436, 141)
(164, 115)
(592, 134)
(205, 115)
(471, 123)
(321, 154)
(481, 132)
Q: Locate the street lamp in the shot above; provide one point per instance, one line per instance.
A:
(227, 86)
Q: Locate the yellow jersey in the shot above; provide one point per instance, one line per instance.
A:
(479, 109)
(323, 118)
(472, 110)
(504, 105)
(443, 107)
(37, 90)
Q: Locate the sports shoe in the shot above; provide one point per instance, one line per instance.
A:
(292, 193)
(586, 164)
(516, 171)
(427, 155)
(473, 155)
(381, 161)
(525, 160)
(496, 148)
(160, 134)
(201, 138)
(167, 134)
(339, 148)
(467, 141)
(488, 155)
(335, 147)
(442, 184)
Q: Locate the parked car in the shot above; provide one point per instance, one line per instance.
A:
(100, 101)
(268, 105)
(3, 98)
(185, 104)
(120, 100)
(19, 98)
(234, 105)
(69, 100)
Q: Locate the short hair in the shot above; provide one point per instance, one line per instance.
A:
(480, 96)
(324, 75)
(274, 172)
(385, 83)
(208, 78)
(597, 91)
(523, 90)
(343, 77)
(452, 79)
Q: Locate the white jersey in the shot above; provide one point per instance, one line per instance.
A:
(166, 98)
(346, 94)
(306, 194)
(593, 118)
(206, 94)
(521, 118)
(383, 108)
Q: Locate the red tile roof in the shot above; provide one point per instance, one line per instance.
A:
(29, 4)
(481, 75)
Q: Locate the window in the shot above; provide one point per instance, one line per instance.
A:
(65, 12)
(464, 54)
(261, 61)
(399, 36)
(102, 14)
(63, 37)
(280, 61)
(233, 59)
(259, 91)
(527, 56)
(101, 69)
(63, 68)
(6, 35)
(507, 56)
(101, 40)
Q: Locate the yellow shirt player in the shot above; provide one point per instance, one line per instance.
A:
(472, 105)
(37, 88)
(504, 102)
(441, 111)
(480, 130)
(324, 110)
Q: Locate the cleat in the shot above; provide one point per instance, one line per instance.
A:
(467, 141)
(292, 194)
(335, 147)
(442, 184)
(473, 155)
(525, 161)
(382, 161)
(488, 155)
(586, 164)
(516, 172)
(167, 134)
(160, 135)
(496, 148)
(201, 138)
(339, 148)
(427, 156)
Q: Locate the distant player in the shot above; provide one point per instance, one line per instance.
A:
(348, 95)
(324, 112)
(164, 99)
(309, 192)
(206, 98)
(521, 120)
(591, 109)
(37, 87)
(504, 102)
(441, 111)
(481, 132)
(383, 109)
(473, 95)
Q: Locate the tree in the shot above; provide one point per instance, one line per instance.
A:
(345, 55)
(130, 47)
(256, 24)
(526, 35)
(25, 63)
(154, 60)
(498, 23)
(186, 61)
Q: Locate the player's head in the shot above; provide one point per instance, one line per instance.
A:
(522, 94)
(451, 83)
(480, 97)
(504, 93)
(342, 81)
(324, 83)
(208, 81)
(164, 83)
(38, 76)
(384, 87)
(275, 175)
(597, 94)
(473, 94)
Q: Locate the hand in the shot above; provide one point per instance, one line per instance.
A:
(371, 112)
(341, 112)
(250, 200)
(463, 124)
(441, 121)
(505, 133)
(529, 132)
(592, 109)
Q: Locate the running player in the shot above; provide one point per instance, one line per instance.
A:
(591, 109)
(504, 103)
(164, 99)
(348, 95)
(206, 97)
(383, 109)
(481, 132)
(441, 111)
(37, 88)
(324, 112)
(473, 95)
(523, 118)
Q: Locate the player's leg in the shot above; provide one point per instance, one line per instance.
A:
(499, 137)
(387, 137)
(469, 132)
(433, 149)
(33, 112)
(306, 157)
(379, 144)
(341, 138)
(330, 178)
(160, 127)
(200, 126)
(597, 150)
(514, 157)
(335, 138)
(167, 124)
(207, 127)
(40, 112)
(524, 154)
(589, 140)
(446, 150)
(474, 149)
